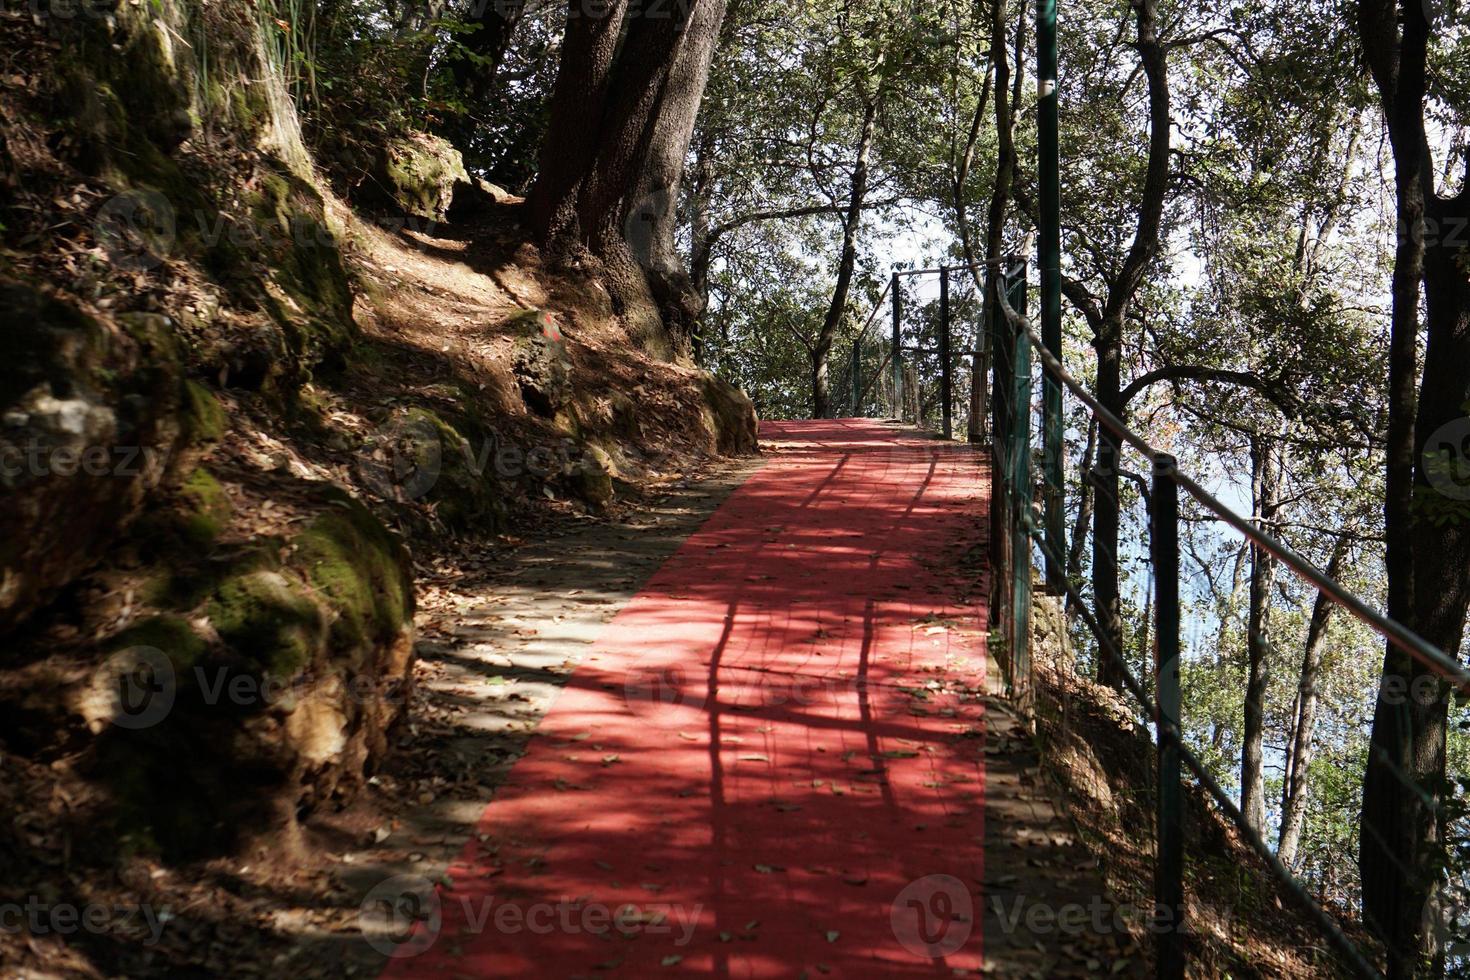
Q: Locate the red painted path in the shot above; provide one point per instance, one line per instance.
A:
(771, 762)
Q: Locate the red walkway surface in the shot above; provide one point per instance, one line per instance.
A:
(771, 762)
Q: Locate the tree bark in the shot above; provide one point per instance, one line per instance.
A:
(1300, 752)
(1428, 561)
(1265, 470)
(622, 111)
(653, 225)
(1108, 333)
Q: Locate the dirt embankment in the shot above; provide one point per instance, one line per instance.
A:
(241, 425)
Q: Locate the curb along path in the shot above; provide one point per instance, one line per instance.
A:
(772, 761)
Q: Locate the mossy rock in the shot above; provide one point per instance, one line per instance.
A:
(419, 172)
(92, 416)
(206, 509)
(729, 417)
(267, 620)
(362, 572)
(592, 477)
(543, 372)
(171, 635)
(415, 455)
(204, 420)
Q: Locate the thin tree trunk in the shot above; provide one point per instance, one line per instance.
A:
(851, 222)
(999, 346)
(1108, 339)
(1265, 471)
(1299, 756)
(975, 431)
(1084, 506)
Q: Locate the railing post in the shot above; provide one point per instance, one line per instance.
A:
(1020, 492)
(946, 377)
(1169, 873)
(897, 353)
(857, 378)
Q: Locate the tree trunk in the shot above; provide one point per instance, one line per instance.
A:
(654, 221)
(1299, 755)
(1428, 561)
(631, 80)
(1108, 336)
(577, 109)
(857, 195)
(975, 430)
(1084, 507)
(1265, 471)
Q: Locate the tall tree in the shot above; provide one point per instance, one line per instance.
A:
(1304, 716)
(632, 76)
(1428, 542)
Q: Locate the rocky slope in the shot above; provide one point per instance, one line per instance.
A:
(237, 414)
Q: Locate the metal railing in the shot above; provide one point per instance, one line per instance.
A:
(1019, 523)
(921, 372)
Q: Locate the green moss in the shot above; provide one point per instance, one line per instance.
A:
(423, 172)
(352, 560)
(169, 634)
(207, 509)
(204, 419)
(265, 619)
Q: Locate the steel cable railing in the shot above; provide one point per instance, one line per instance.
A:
(1013, 463)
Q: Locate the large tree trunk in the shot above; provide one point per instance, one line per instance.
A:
(622, 111)
(654, 223)
(1428, 560)
(851, 222)
(1264, 478)
(577, 109)
(1300, 752)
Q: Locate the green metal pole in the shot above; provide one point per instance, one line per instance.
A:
(1049, 182)
(857, 378)
(897, 354)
